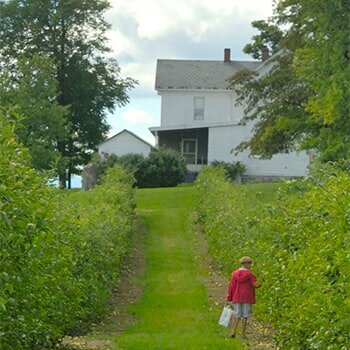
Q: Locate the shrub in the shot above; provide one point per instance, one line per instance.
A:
(234, 169)
(33, 274)
(226, 215)
(135, 164)
(60, 255)
(102, 224)
(131, 162)
(301, 247)
(164, 167)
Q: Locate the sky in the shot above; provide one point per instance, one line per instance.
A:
(146, 30)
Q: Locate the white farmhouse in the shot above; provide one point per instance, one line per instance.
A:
(125, 142)
(199, 117)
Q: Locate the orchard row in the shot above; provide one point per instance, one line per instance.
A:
(60, 254)
(300, 243)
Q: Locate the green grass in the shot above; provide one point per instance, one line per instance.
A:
(174, 311)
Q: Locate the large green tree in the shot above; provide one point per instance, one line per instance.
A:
(323, 63)
(31, 91)
(273, 100)
(274, 104)
(303, 101)
(269, 37)
(73, 34)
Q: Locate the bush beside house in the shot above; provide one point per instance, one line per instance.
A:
(234, 170)
(163, 167)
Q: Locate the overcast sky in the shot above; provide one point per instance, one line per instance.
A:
(145, 30)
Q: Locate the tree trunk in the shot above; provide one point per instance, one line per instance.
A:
(62, 180)
(62, 174)
(69, 179)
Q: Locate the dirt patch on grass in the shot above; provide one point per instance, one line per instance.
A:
(127, 292)
(259, 333)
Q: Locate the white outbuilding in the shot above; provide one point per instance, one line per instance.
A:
(125, 142)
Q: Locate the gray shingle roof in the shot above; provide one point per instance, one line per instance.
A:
(191, 74)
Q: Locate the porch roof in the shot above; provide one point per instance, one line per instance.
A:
(155, 129)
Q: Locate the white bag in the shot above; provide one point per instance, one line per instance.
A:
(225, 316)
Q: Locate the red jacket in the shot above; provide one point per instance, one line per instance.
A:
(241, 288)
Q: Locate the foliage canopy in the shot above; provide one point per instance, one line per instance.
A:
(303, 102)
(73, 35)
(31, 92)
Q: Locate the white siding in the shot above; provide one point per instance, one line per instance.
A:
(177, 112)
(124, 143)
(177, 108)
(223, 139)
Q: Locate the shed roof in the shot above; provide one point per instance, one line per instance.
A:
(130, 133)
(198, 74)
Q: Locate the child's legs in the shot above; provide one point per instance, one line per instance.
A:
(246, 312)
(235, 325)
(237, 315)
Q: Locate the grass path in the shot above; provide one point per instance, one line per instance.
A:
(174, 311)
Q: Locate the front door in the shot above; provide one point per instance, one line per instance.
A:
(189, 150)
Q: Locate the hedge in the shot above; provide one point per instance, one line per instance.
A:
(301, 247)
(60, 255)
(163, 167)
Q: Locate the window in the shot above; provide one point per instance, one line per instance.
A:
(198, 108)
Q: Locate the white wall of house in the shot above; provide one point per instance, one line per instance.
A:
(177, 108)
(124, 143)
(222, 140)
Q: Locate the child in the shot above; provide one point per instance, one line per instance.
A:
(241, 291)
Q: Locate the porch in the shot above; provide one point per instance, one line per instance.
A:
(192, 144)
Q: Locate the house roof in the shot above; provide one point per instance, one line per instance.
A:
(198, 74)
(129, 132)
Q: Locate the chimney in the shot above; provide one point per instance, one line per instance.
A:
(227, 55)
(265, 53)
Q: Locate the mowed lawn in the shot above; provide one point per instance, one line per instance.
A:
(174, 311)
